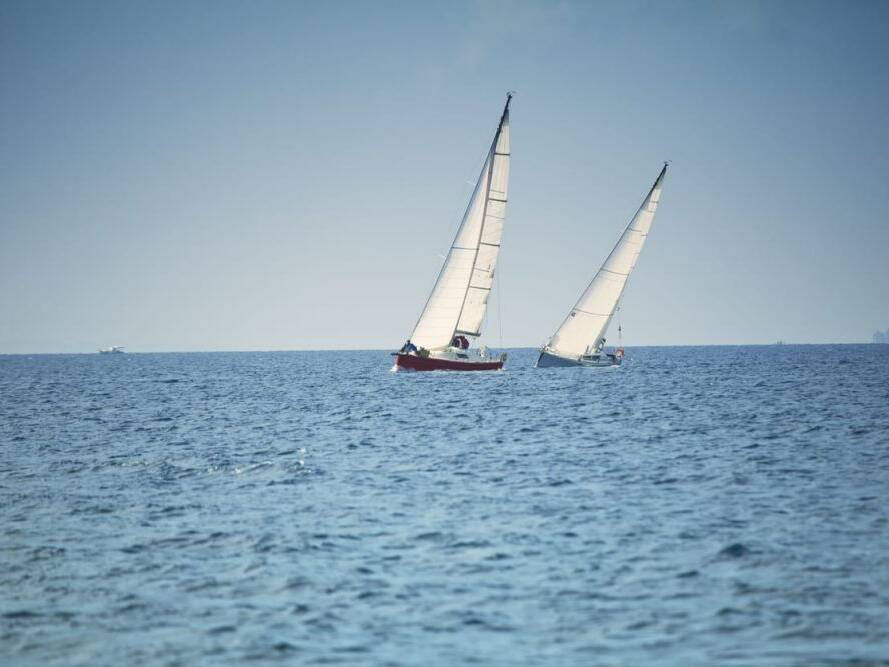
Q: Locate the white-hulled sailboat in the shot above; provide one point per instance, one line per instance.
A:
(456, 308)
(580, 341)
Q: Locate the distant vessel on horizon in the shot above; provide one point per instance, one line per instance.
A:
(114, 349)
(580, 340)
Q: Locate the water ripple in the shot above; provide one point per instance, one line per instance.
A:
(690, 507)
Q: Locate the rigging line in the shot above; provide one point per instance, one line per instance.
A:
(500, 283)
(488, 184)
(500, 301)
(620, 328)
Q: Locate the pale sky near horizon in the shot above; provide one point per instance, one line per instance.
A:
(289, 175)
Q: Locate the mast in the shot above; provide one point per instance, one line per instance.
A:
(472, 257)
(475, 263)
(588, 321)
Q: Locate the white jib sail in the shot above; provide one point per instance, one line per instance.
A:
(459, 299)
(584, 329)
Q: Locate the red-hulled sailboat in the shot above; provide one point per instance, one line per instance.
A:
(456, 308)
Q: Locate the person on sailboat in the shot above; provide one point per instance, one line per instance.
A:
(408, 347)
(460, 342)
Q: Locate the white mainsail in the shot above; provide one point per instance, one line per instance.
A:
(460, 297)
(584, 329)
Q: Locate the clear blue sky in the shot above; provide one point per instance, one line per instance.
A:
(241, 175)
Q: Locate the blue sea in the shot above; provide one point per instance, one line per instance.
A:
(696, 506)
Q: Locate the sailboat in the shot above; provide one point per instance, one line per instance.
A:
(455, 310)
(580, 341)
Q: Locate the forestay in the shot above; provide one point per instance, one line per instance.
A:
(584, 329)
(459, 299)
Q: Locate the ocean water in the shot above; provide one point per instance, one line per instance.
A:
(697, 506)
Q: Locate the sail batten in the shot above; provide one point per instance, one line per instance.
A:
(579, 335)
(458, 301)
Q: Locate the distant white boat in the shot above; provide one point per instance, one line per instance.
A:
(115, 349)
(580, 341)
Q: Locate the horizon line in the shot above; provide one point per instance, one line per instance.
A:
(380, 349)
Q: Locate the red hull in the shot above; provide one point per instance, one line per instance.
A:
(415, 363)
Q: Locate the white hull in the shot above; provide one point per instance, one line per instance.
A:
(550, 360)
